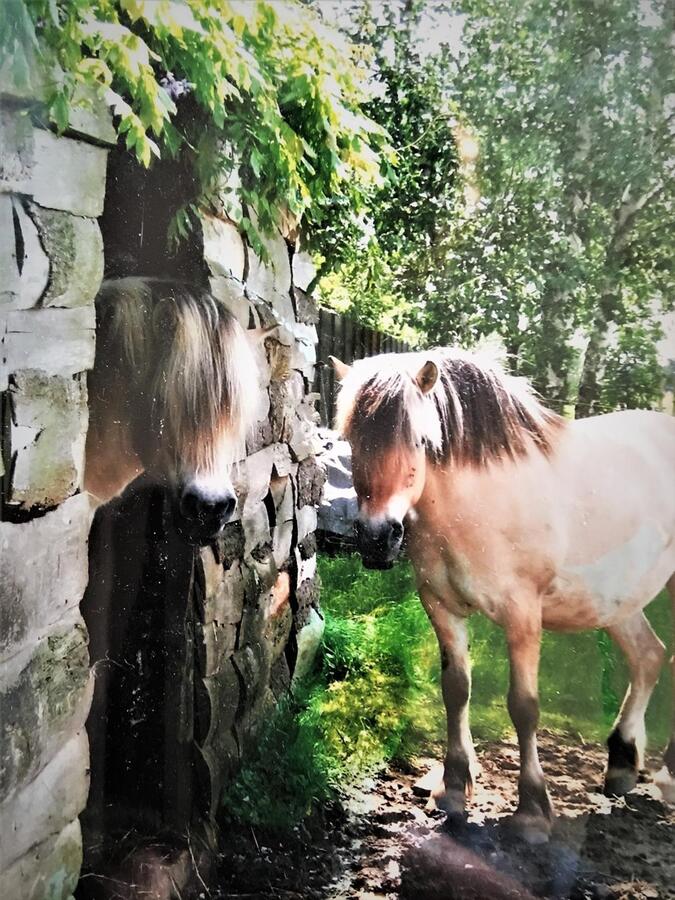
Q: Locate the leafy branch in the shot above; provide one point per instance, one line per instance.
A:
(268, 79)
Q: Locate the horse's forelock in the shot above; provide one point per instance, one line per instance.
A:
(200, 387)
(380, 409)
(124, 310)
(196, 357)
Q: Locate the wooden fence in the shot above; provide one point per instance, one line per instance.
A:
(341, 336)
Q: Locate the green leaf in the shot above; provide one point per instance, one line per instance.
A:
(256, 161)
(60, 109)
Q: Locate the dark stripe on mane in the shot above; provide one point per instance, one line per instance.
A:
(474, 414)
(495, 422)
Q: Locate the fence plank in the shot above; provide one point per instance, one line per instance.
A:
(341, 336)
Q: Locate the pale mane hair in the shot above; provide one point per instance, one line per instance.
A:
(474, 414)
(180, 349)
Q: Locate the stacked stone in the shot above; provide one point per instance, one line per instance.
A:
(260, 622)
(51, 264)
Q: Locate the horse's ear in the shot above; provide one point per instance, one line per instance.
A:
(341, 369)
(257, 335)
(427, 376)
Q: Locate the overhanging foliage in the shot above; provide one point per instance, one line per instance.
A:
(268, 79)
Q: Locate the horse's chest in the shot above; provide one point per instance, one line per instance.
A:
(462, 585)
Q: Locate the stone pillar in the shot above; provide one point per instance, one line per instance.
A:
(51, 264)
(260, 622)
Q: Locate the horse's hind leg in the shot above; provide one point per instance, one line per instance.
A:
(644, 653)
(665, 779)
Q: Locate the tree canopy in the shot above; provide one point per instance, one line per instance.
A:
(566, 253)
(550, 133)
(516, 182)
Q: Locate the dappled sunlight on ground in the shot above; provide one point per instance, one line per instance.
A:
(388, 844)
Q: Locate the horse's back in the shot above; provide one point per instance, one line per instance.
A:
(632, 453)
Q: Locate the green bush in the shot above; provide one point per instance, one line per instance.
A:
(373, 697)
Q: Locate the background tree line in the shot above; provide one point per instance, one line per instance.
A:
(533, 192)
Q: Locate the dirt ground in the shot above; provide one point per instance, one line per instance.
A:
(383, 843)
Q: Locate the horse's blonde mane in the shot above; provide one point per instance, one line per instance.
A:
(475, 412)
(184, 349)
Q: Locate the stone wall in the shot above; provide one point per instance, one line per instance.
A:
(261, 623)
(51, 264)
(256, 620)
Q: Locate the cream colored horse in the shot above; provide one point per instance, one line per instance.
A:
(534, 521)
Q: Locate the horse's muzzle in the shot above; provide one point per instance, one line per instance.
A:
(201, 517)
(378, 541)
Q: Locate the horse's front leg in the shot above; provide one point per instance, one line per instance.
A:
(534, 817)
(460, 761)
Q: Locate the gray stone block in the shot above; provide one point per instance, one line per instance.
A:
(48, 871)
(231, 292)
(16, 150)
(43, 573)
(10, 279)
(224, 249)
(304, 270)
(58, 172)
(75, 249)
(56, 341)
(309, 640)
(274, 275)
(44, 806)
(90, 117)
(46, 437)
(27, 277)
(67, 174)
(339, 506)
(44, 700)
(89, 114)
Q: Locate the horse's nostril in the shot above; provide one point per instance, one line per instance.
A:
(189, 505)
(396, 530)
(195, 507)
(223, 509)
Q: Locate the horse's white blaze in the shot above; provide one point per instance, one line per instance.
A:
(213, 484)
(396, 508)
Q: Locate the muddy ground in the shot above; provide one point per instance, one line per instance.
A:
(383, 843)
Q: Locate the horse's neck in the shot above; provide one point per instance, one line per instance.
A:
(464, 506)
(110, 461)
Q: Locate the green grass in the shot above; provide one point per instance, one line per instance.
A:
(375, 694)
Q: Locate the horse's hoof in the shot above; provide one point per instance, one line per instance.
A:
(529, 827)
(430, 783)
(665, 782)
(450, 802)
(619, 782)
(455, 821)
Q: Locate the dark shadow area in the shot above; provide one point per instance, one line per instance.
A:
(140, 205)
(139, 610)
(382, 841)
